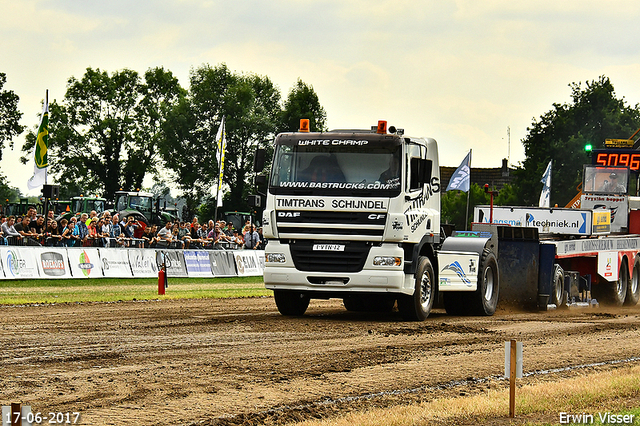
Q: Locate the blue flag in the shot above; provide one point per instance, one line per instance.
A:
(461, 178)
(546, 189)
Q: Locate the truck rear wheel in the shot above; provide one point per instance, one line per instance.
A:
(615, 292)
(633, 287)
(418, 306)
(557, 288)
(291, 303)
(485, 300)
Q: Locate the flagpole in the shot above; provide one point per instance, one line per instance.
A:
(466, 214)
(46, 102)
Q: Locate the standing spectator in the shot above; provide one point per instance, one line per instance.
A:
(82, 229)
(38, 228)
(69, 235)
(184, 235)
(216, 236)
(115, 233)
(100, 234)
(28, 237)
(92, 214)
(263, 241)
(92, 234)
(165, 234)
(9, 231)
(251, 239)
(148, 238)
(53, 234)
(237, 239)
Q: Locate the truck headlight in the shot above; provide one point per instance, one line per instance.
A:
(387, 261)
(275, 258)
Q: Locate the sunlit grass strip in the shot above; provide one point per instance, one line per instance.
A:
(592, 394)
(112, 289)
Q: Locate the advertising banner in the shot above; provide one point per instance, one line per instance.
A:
(84, 262)
(115, 263)
(223, 263)
(19, 262)
(174, 262)
(143, 263)
(53, 263)
(548, 221)
(247, 262)
(197, 263)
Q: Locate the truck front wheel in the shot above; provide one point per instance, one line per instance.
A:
(418, 306)
(291, 303)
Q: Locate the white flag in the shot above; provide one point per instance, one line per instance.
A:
(546, 189)
(461, 178)
(40, 161)
(221, 139)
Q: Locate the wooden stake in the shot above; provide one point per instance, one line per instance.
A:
(512, 380)
(16, 414)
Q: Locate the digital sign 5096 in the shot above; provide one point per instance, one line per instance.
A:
(616, 157)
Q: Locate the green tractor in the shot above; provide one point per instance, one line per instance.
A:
(78, 205)
(143, 206)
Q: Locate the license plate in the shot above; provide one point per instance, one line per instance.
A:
(328, 247)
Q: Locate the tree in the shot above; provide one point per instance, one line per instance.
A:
(302, 102)
(594, 115)
(454, 203)
(103, 136)
(8, 193)
(9, 115)
(250, 105)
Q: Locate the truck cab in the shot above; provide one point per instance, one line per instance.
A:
(353, 214)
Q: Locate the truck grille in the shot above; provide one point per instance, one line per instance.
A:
(350, 260)
(323, 224)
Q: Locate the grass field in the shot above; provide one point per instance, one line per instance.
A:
(605, 398)
(18, 292)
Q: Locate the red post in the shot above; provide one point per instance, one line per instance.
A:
(161, 281)
(491, 194)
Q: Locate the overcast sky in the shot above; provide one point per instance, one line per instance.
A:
(461, 71)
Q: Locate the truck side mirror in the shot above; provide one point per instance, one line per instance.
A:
(259, 159)
(420, 172)
(260, 180)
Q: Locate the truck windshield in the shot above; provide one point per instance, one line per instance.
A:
(366, 169)
(605, 180)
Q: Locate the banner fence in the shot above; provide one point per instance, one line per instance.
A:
(22, 262)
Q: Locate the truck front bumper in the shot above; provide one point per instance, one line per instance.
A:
(372, 278)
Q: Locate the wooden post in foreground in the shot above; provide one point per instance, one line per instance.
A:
(512, 379)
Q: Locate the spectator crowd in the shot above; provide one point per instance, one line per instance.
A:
(106, 230)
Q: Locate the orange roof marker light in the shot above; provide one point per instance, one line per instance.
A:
(382, 127)
(304, 125)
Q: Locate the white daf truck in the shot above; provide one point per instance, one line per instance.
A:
(355, 214)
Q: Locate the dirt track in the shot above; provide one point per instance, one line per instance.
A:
(237, 361)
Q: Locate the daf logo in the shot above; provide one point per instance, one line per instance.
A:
(374, 216)
(289, 214)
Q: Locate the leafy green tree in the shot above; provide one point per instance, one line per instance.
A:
(593, 115)
(9, 115)
(8, 193)
(250, 104)
(103, 135)
(454, 203)
(302, 102)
